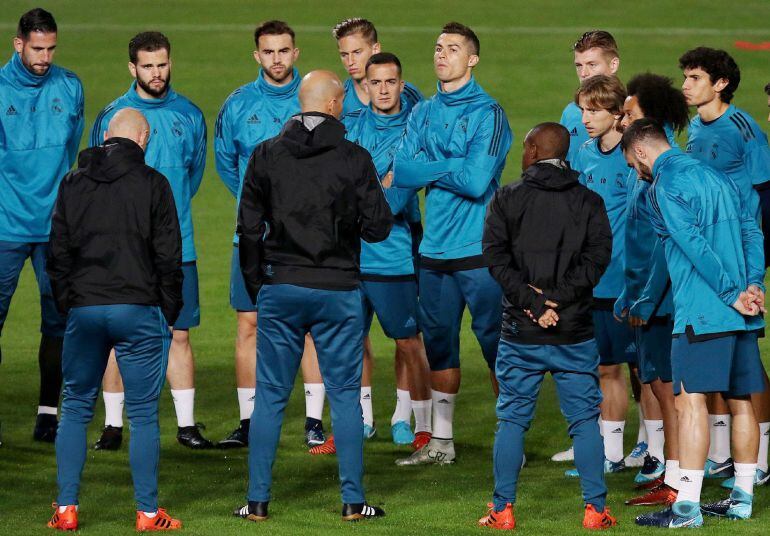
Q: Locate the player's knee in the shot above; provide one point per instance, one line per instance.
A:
(610, 372)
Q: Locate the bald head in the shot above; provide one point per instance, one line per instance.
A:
(321, 91)
(130, 124)
(545, 141)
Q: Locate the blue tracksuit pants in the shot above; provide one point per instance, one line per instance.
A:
(520, 369)
(12, 258)
(335, 320)
(141, 338)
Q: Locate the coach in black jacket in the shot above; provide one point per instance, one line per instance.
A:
(115, 262)
(309, 197)
(547, 241)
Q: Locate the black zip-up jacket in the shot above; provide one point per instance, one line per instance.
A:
(553, 233)
(309, 197)
(115, 235)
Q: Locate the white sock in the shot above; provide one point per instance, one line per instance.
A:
(151, 514)
(403, 411)
(422, 411)
(764, 439)
(672, 474)
(719, 431)
(690, 483)
(47, 410)
(655, 439)
(184, 404)
(63, 507)
(246, 401)
(599, 422)
(314, 400)
(113, 408)
(443, 414)
(744, 476)
(613, 439)
(366, 405)
(642, 435)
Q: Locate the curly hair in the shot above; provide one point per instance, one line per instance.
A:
(718, 64)
(660, 100)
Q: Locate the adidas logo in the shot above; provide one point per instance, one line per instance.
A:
(617, 431)
(659, 429)
(308, 393)
(720, 423)
(685, 479)
(251, 399)
(573, 132)
(253, 120)
(366, 397)
(767, 433)
(409, 323)
(11, 110)
(443, 401)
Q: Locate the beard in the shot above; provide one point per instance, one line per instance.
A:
(157, 93)
(279, 79)
(36, 69)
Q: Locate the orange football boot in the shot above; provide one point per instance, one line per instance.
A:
(594, 520)
(421, 439)
(66, 520)
(161, 521)
(663, 494)
(502, 520)
(327, 447)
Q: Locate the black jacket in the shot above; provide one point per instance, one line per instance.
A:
(553, 233)
(309, 197)
(114, 234)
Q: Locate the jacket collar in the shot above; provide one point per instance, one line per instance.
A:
(282, 92)
(663, 159)
(21, 75)
(467, 93)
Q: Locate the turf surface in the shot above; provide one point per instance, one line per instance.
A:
(526, 65)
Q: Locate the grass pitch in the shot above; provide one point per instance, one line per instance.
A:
(526, 64)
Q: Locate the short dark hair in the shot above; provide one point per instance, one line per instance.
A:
(466, 32)
(272, 27)
(597, 39)
(718, 64)
(602, 91)
(660, 100)
(35, 20)
(383, 58)
(147, 42)
(353, 26)
(644, 129)
(767, 89)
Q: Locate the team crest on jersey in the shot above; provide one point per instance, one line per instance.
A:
(56, 106)
(590, 179)
(714, 151)
(253, 120)
(176, 128)
(620, 180)
(463, 124)
(276, 120)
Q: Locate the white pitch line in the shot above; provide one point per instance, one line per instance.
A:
(505, 30)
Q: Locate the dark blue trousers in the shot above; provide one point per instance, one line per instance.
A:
(12, 258)
(335, 320)
(443, 297)
(520, 369)
(141, 338)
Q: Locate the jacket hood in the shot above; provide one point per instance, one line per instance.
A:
(550, 176)
(311, 133)
(109, 162)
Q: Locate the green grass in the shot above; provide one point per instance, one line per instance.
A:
(526, 65)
